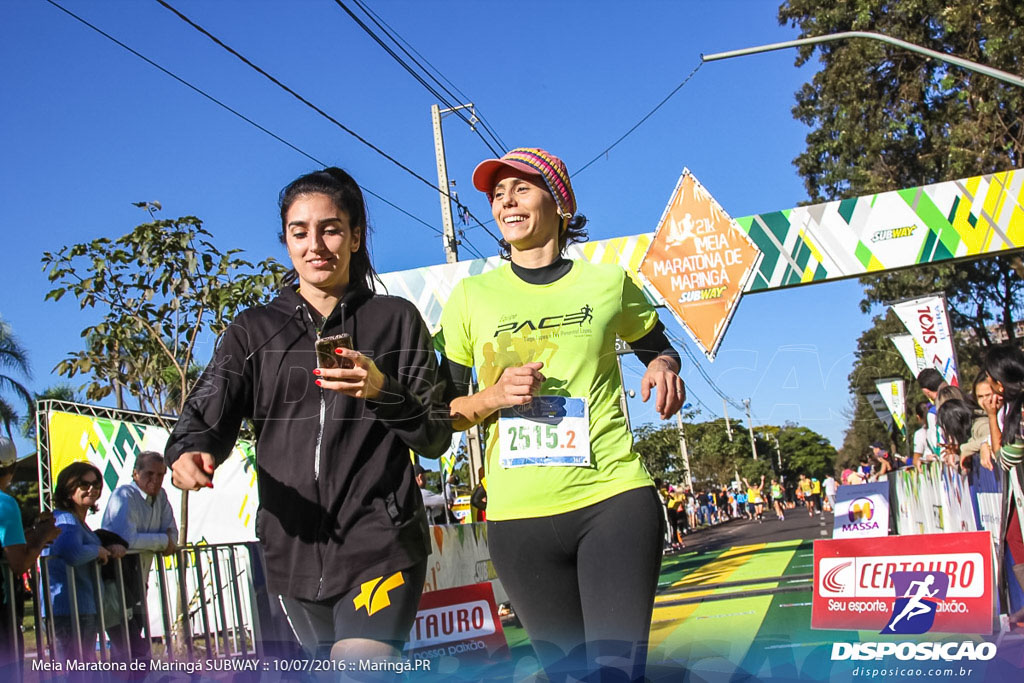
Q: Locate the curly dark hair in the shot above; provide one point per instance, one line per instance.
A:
(67, 482)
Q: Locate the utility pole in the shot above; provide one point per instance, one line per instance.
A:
(451, 254)
(725, 411)
(686, 455)
(750, 426)
(451, 249)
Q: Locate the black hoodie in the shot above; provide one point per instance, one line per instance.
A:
(339, 503)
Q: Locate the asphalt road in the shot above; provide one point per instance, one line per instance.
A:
(796, 526)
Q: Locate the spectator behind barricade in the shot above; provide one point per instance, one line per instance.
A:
(437, 509)
(78, 488)
(991, 403)
(703, 510)
(886, 463)
(864, 468)
(691, 509)
(925, 444)
(931, 382)
(21, 549)
(965, 429)
(478, 499)
(140, 514)
(1004, 365)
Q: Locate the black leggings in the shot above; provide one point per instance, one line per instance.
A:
(583, 582)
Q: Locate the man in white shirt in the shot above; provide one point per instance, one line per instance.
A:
(141, 515)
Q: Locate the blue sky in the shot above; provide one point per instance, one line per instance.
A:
(88, 128)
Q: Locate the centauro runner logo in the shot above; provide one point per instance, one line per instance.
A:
(894, 233)
(373, 594)
(584, 315)
(918, 595)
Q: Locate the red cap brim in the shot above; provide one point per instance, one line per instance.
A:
(483, 174)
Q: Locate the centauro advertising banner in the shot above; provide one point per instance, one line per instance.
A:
(927, 321)
(854, 587)
(458, 622)
(893, 392)
(699, 261)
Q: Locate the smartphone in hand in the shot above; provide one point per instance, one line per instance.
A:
(325, 355)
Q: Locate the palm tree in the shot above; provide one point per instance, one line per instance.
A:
(13, 357)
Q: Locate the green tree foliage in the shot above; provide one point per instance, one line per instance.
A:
(13, 368)
(715, 459)
(804, 451)
(160, 288)
(659, 447)
(884, 118)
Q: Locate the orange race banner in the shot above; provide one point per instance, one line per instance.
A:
(699, 262)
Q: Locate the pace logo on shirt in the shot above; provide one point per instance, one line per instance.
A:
(515, 326)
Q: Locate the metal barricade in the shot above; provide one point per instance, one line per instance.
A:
(198, 603)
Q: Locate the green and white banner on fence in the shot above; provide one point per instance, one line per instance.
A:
(893, 393)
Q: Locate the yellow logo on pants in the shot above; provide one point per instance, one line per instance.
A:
(373, 594)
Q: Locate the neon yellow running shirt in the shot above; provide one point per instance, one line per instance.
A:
(494, 321)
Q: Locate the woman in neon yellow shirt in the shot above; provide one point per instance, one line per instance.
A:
(574, 522)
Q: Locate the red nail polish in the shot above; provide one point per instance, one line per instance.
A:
(210, 485)
(317, 371)
(318, 383)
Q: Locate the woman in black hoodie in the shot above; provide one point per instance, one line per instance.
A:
(340, 520)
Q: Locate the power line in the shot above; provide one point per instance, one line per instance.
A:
(449, 103)
(319, 111)
(703, 373)
(233, 111)
(641, 121)
(395, 36)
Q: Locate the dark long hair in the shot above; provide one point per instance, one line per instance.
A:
(1005, 364)
(67, 482)
(956, 417)
(346, 195)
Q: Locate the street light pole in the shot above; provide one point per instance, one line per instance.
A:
(1004, 76)
(750, 426)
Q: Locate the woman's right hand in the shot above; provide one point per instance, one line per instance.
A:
(193, 471)
(517, 386)
(103, 555)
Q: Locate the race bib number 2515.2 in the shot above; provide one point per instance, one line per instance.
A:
(548, 431)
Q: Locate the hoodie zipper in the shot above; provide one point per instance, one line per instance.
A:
(318, 329)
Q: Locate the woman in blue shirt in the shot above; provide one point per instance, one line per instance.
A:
(76, 493)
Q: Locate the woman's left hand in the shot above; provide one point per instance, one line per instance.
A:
(663, 376)
(117, 551)
(363, 380)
